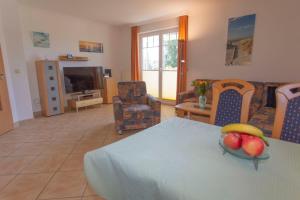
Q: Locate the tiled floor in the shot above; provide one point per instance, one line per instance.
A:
(43, 158)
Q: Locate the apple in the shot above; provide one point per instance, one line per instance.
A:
(233, 141)
(253, 146)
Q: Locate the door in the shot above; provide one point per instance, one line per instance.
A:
(159, 53)
(6, 121)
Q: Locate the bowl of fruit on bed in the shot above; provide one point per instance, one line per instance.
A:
(244, 141)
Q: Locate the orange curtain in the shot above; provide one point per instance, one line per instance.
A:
(135, 68)
(182, 54)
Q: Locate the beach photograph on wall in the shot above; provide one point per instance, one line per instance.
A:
(240, 40)
(40, 39)
(93, 47)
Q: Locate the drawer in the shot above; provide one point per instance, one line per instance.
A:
(89, 102)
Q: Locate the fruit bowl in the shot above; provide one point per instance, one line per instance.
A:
(244, 141)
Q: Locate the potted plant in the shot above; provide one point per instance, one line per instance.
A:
(201, 89)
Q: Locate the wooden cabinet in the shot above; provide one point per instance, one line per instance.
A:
(50, 87)
(85, 100)
(110, 90)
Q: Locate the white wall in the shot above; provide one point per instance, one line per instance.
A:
(276, 41)
(276, 47)
(15, 60)
(65, 32)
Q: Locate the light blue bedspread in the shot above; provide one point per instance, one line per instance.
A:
(181, 159)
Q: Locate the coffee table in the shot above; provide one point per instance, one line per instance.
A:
(193, 111)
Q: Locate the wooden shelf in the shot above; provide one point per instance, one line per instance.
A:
(75, 58)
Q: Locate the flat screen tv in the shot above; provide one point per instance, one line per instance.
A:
(83, 79)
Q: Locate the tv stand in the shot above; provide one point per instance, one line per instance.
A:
(85, 100)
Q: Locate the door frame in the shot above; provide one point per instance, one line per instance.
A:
(159, 32)
(4, 99)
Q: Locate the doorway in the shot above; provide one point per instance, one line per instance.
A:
(6, 121)
(159, 61)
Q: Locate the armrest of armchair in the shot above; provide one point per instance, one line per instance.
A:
(118, 108)
(156, 106)
(186, 95)
(154, 103)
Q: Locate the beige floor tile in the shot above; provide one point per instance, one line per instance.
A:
(73, 162)
(45, 163)
(30, 149)
(13, 165)
(65, 184)
(59, 148)
(84, 147)
(89, 191)
(39, 137)
(12, 138)
(7, 148)
(69, 136)
(4, 180)
(25, 187)
(92, 198)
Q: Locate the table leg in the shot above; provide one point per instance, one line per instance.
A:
(188, 115)
(180, 113)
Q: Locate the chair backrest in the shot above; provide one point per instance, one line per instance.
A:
(287, 117)
(132, 92)
(231, 102)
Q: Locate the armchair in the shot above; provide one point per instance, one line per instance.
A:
(134, 108)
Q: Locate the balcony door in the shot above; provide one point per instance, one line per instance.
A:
(159, 53)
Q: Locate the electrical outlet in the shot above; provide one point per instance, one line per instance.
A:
(37, 102)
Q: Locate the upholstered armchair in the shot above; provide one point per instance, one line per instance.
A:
(134, 108)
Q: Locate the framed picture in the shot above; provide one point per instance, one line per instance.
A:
(93, 47)
(240, 40)
(40, 39)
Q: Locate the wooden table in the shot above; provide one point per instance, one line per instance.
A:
(192, 111)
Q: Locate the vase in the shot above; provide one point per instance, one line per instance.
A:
(202, 101)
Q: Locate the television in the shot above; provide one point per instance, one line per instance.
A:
(83, 79)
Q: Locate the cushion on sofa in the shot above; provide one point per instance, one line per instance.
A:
(257, 99)
(264, 119)
(269, 99)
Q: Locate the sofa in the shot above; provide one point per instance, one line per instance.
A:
(262, 107)
(134, 108)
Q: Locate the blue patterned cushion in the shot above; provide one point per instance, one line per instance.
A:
(229, 108)
(291, 125)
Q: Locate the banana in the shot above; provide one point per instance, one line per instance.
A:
(245, 128)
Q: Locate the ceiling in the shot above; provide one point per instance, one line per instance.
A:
(116, 12)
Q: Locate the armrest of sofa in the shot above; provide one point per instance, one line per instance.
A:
(186, 95)
(118, 108)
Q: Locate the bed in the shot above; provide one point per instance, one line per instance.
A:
(180, 159)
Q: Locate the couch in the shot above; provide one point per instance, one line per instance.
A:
(262, 108)
(134, 108)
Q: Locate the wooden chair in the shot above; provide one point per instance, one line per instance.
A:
(231, 102)
(287, 117)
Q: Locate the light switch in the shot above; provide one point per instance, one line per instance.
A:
(17, 71)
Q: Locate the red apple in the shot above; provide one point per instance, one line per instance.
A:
(253, 146)
(233, 141)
